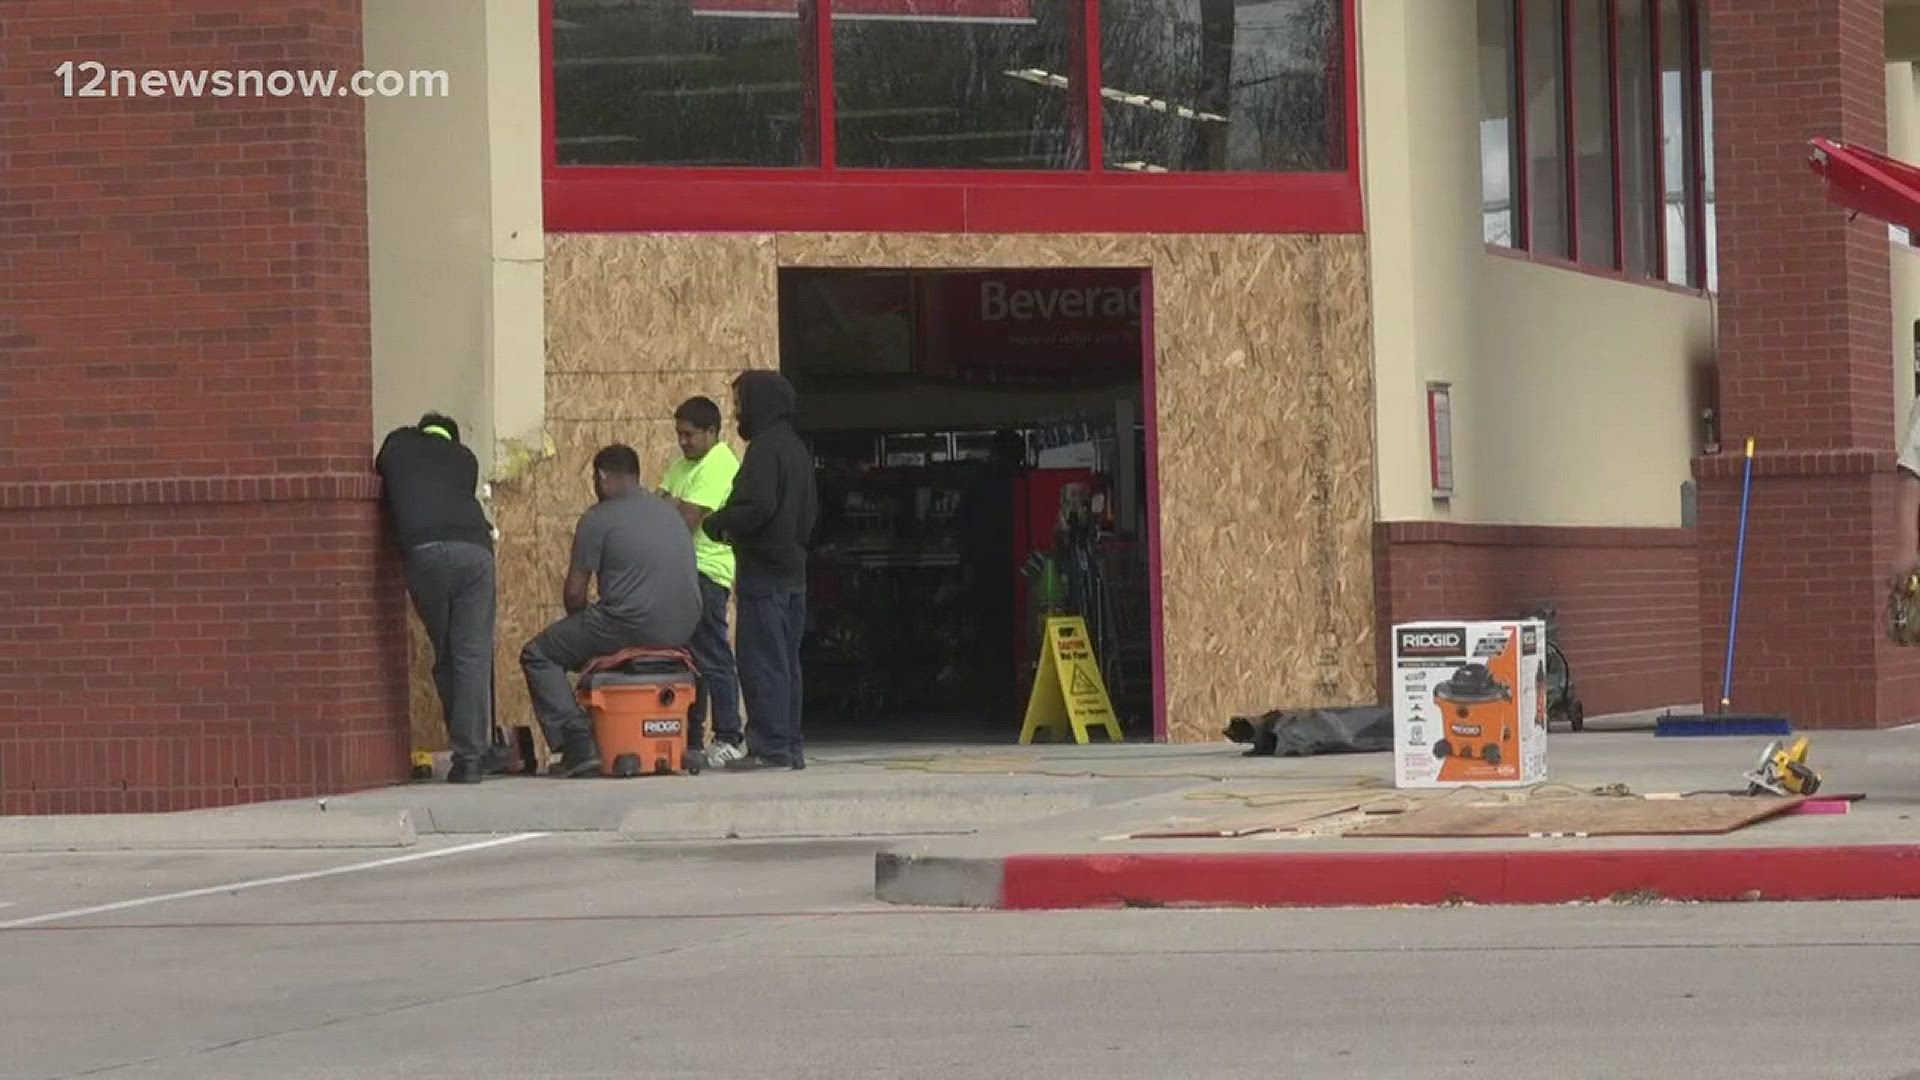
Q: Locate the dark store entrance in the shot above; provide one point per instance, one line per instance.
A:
(982, 442)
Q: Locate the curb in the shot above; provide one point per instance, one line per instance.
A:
(245, 828)
(812, 816)
(1062, 882)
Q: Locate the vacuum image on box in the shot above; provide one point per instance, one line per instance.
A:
(1472, 706)
(1468, 704)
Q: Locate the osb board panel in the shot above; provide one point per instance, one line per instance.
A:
(423, 703)
(1585, 815)
(635, 325)
(644, 304)
(1263, 402)
(1263, 406)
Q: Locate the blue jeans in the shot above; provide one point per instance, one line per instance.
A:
(719, 679)
(773, 616)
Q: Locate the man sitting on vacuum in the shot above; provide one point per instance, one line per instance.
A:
(638, 548)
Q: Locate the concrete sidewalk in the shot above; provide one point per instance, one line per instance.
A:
(847, 791)
(1084, 860)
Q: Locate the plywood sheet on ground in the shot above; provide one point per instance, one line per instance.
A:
(1250, 822)
(1580, 815)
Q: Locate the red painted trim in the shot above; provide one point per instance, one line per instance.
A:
(1590, 271)
(638, 199)
(1345, 879)
(1523, 175)
(1661, 269)
(863, 200)
(1156, 595)
(1616, 108)
(820, 12)
(1093, 116)
(1570, 136)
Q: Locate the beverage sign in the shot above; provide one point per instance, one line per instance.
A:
(1034, 326)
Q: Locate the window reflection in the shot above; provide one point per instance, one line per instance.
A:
(1222, 85)
(956, 84)
(688, 83)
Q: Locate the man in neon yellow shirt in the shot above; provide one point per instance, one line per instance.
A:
(698, 484)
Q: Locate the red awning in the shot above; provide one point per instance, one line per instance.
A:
(1869, 183)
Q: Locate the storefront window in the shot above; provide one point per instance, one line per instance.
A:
(1618, 134)
(680, 83)
(1678, 135)
(1639, 140)
(1547, 216)
(1010, 116)
(931, 85)
(1594, 167)
(1499, 182)
(1221, 85)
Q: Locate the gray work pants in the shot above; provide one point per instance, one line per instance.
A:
(567, 646)
(453, 588)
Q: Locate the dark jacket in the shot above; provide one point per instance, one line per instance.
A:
(770, 516)
(431, 490)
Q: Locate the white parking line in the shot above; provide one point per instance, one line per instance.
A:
(261, 883)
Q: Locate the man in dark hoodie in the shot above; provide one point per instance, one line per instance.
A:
(431, 491)
(769, 520)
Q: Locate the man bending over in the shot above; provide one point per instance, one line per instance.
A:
(638, 548)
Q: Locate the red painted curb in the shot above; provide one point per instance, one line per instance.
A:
(1351, 879)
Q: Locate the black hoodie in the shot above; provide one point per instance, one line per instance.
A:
(770, 516)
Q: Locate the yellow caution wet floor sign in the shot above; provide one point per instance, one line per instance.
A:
(1069, 697)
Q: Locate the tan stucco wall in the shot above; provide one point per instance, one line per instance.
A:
(1572, 394)
(455, 232)
(1903, 142)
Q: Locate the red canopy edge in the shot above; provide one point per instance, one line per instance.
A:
(1869, 183)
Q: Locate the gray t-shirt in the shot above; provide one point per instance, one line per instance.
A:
(639, 549)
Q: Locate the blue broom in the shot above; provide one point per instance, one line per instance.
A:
(1724, 723)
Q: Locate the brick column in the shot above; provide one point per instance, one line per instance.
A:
(196, 606)
(1803, 369)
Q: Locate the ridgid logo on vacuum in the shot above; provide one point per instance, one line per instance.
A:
(1443, 641)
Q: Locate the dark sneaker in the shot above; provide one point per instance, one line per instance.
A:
(579, 759)
(757, 762)
(464, 772)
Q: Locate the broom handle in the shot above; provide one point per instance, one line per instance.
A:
(1739, 565)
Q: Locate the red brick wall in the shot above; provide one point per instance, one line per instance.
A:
(194, 596)
(1627, 598)
(1803, 370)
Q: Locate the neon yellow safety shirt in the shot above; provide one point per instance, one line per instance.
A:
(707, 483)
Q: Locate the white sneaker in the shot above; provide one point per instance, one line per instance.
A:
(720, 754)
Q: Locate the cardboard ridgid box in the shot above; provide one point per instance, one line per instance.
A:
(1469, 704)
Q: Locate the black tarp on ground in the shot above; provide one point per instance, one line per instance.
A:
(1360, 729)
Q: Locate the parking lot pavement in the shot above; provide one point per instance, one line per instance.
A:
(585, 957)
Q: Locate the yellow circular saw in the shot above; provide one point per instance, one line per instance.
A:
(1783, 770)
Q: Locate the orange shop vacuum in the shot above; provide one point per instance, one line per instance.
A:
(640, 702)
(1475, 718)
